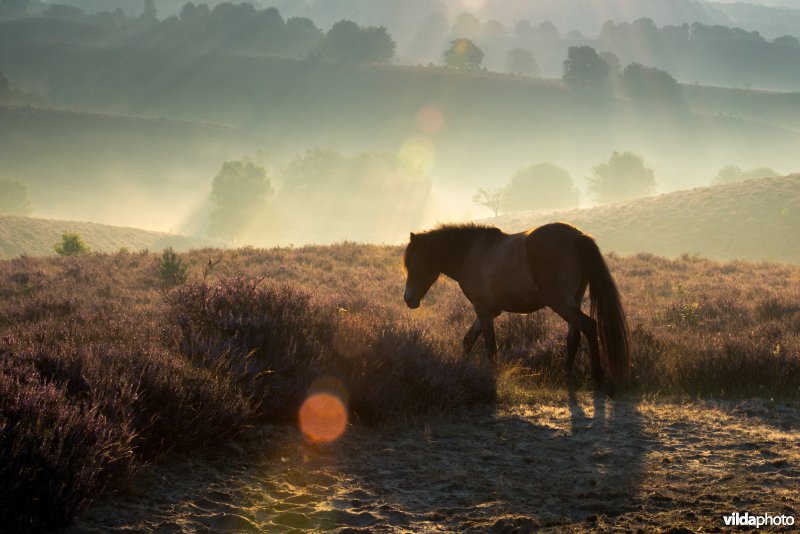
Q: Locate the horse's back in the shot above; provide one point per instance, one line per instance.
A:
(554, 256)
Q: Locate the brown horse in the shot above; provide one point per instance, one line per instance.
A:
(549, 266)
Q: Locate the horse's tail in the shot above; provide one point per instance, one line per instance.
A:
(606, 309)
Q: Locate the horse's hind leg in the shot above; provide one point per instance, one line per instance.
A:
(472, 335)
(572, 314)
(573, 343)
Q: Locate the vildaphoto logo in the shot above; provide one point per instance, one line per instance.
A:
(764, 520)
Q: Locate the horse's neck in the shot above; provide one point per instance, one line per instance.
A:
(449, 259)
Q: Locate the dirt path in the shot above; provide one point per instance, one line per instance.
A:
(560, 466)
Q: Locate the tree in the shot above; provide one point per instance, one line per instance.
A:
(467, 26)
(542, 186)
(5, 87)
(150, 13)
(491, 198)
(524, 30)
(614, 66)
(72, 244)
(239, 192)
(521, 61)
(649, 84)
(494, 29)
(463, 54)
(14, 197)
(732, 174)
(547, 31)
(622, 177)
(787, 40)
(347, 41)
(584, 69)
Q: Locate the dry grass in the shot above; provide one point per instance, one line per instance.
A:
(103, 367)
(754, 220)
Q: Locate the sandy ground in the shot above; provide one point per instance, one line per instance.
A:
(583, 465)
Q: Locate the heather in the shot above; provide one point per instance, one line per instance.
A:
(106, 365)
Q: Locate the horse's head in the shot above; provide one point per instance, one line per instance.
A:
(420, 275)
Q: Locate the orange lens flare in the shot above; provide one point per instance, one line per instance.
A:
(323, 418)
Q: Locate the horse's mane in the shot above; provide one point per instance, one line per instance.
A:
(446, 245)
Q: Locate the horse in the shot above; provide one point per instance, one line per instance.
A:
(551, 265)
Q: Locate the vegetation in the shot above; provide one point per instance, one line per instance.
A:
(463, 54)
(650, 85)
(14, 197)
(171, 268)
(584, 69)
(72, 244)
(732, 174)
(347, 41)
(490, 198)
(121, 373)
(239, 192)
(521, 61)
(623, 177)
(542, 186)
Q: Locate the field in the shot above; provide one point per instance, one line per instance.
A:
(183, 398)
(753, 220)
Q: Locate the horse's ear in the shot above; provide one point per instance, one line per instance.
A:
(412, 237)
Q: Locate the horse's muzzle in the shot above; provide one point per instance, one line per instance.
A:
(410, 302)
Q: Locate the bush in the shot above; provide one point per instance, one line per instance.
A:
(622, 177)
(14, 197)
(72, 244)
(171, 268)
(277, 343)
(540, 187)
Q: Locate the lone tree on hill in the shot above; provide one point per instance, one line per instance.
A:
(14, 197)
(463, 54)
(239, 192)
(585, 69)
(622, 177)
(490, 198)
(542, 186)
(72, 244)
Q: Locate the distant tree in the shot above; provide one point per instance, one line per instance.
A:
(463, 54)
(521, 61)
(541, 186)
(731, 174)
(524, 30)
(574, 35)
(548, 31)
(301, 35)
(150, 13)
(72, 244)
(347, 41)
(494, 29)
(787, 40)
(466, 25)
(5, 87)
(649, 84)
(61, 11)
(490, 198)
(584, 69)
(622, 177)
(14, 197)
(239, 192)
(614, 66)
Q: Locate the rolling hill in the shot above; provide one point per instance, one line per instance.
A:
(755, 220)
(36, 237)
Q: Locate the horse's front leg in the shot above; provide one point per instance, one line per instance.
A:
(472, 335)
(487, 326)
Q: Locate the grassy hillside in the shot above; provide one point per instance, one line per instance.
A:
(754, 220)
(36, 237)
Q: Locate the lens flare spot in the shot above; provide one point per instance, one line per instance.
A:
(430, 119)
(418, 152)
(323, 418)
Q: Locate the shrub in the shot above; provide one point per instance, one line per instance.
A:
(172, 269)
(72, 244)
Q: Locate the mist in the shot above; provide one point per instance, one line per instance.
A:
(357, 125)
